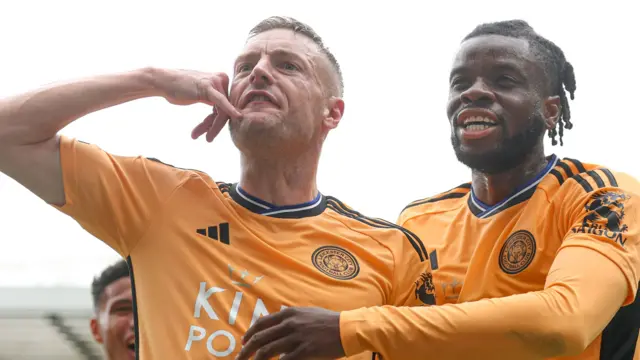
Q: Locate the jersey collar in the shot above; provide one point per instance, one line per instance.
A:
(522, 193)
(259, 206)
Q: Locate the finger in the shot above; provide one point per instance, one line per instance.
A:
(261, 339)
(283, 345)
(298, 353)
(203, 127)
(224, 82)
(265, 323)
(222, 103)
(219, 121)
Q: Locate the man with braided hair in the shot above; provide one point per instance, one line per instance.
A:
(535, 258)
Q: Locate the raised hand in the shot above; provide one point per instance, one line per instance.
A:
(186, 87)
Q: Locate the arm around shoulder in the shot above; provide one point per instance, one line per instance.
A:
(561, 320)
(601, 246)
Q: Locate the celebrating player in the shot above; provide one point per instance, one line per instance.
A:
(210, 258)
(112, 323)
(553, 242)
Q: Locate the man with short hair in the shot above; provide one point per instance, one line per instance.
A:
(537, 257)
(112, 323)
(209, 258)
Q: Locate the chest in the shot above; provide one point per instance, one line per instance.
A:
(253, 268)
(506, 254)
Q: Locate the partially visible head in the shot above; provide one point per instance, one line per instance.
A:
(507, 87)
(112, 324)
(288, 86)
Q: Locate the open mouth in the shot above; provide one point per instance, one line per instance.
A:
(259, 98)
(478, 123)
(131, 346)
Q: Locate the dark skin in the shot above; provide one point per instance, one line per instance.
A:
(500, 74)
(497, 74)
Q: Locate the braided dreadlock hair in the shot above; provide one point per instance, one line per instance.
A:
(558, 70)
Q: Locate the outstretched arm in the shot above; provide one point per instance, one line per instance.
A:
(29, 123)
(561, 320)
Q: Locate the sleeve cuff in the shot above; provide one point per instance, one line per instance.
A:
(350, 323)
(68, 166)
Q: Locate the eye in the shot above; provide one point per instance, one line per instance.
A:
(506, 81)
(123, 309)
(243, 68)
(289, 66)
(459, 83)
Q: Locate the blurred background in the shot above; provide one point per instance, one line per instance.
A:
(46, 323)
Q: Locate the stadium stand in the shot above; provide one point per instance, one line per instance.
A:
(46, 323)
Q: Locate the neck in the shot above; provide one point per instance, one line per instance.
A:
(493, 188)
(281, 181)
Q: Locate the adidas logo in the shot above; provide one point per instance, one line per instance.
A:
(220, 232)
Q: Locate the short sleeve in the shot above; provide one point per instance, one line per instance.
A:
(412, 277)
(112, 197)
(605, 219)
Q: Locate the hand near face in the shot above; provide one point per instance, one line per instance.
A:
(186, 87)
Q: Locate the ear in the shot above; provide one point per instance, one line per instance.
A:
(552, 109)
(95, 330)
(333, 112)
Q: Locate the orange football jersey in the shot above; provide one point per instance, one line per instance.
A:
(479, 251)
(207, 259)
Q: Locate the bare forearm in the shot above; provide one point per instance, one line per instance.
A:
(37, 116)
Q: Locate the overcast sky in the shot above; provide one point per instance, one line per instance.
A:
(392, 145)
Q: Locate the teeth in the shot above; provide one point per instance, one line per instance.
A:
(474, 122)
(478, 119)
(477, 127)
(260, 98)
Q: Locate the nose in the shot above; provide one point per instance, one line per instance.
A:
(261, 74)
(478, 93)
(131, 323)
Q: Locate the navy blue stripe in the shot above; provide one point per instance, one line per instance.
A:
(621, 334)
(610, 177)
(135, 308)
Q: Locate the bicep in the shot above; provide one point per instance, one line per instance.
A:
(37, 167)
(593, 287)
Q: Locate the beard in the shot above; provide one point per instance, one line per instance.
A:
(511, 152)
(270, 136)
(256, 134)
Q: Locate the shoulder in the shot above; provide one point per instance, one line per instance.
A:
(573, 177)
(83, 161)
(385, 232)
(444, 201)
(583, 187)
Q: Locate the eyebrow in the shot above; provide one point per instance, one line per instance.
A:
(500, 65)
(121, 302)
(275, 52)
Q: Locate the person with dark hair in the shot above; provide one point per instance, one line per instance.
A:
(536, 258)
(112, 323)
(209, 258)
